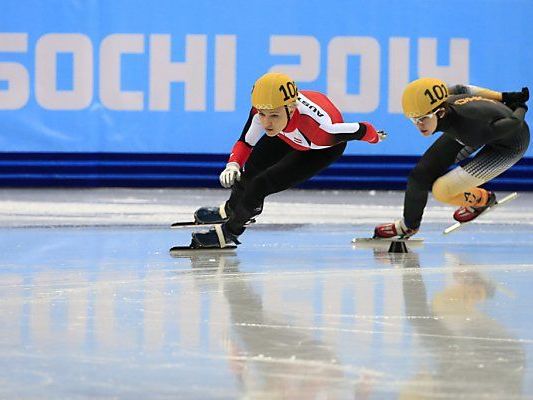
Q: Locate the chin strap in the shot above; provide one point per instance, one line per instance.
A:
(288, 115)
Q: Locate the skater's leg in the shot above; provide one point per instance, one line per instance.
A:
(460, 186)
(433, 164)
(435, 161)
(296, 167)
(266, 152)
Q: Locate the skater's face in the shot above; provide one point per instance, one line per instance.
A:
(427, 124)
(273, 121)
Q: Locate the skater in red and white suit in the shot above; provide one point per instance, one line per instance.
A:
(289, 137)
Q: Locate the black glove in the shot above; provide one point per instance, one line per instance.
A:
(514, 106)
(515, 97)
(515, 100)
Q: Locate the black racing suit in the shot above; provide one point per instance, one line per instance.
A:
(470, 123)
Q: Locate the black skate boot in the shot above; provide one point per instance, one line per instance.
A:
(211, 215)
(216, 237)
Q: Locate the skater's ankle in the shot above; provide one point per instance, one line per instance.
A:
(485, 199)
(232, 230)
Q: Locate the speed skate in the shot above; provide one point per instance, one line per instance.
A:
(194, 224)
(458, 225)
(379, 242)
(179, 224)
(177, 251)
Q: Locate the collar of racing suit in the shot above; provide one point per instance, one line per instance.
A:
(293, 122)
(446, 121)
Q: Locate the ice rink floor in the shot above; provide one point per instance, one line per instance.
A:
(92, 306)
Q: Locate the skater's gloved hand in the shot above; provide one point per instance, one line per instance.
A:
(512, 98)
(382, 135)
(231, 174)
(514, 106)
(371, 135)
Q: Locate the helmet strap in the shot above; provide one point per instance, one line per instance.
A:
(440, 112)
(288, 112)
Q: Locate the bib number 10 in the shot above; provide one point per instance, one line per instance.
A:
(437, 92)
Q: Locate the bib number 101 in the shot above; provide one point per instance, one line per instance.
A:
(437, 92)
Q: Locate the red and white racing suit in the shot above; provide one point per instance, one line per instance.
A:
(316, 124)
(314, 137)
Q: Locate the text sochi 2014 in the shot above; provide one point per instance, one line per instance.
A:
(149, 60)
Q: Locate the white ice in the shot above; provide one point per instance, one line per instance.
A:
(93, 306)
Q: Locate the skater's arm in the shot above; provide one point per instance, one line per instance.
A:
(476, 90)
(520, 112)
(334, 133)
(236, 160)
(240, 153)
(345, 131)
(511, 123)
(510, 99)
(251, 133)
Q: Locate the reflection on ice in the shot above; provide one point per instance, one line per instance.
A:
(269, 358)
(464, 353)
(296, 313)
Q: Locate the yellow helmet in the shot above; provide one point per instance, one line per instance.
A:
(422, 96)
(273, 90)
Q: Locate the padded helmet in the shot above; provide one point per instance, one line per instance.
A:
(422, 96)
(273, 90)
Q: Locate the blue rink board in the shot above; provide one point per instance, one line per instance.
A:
(132, 81)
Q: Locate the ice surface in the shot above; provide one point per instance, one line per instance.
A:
(93, 306)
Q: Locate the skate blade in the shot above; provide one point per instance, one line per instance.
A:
(384, 242)
(458, 225)
(181, 224)
(194, 224)
(176, 251)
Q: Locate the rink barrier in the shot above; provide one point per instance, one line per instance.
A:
(201, 170)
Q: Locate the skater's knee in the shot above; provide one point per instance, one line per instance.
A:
(441, 191)
(451, 187)
(262, 185)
